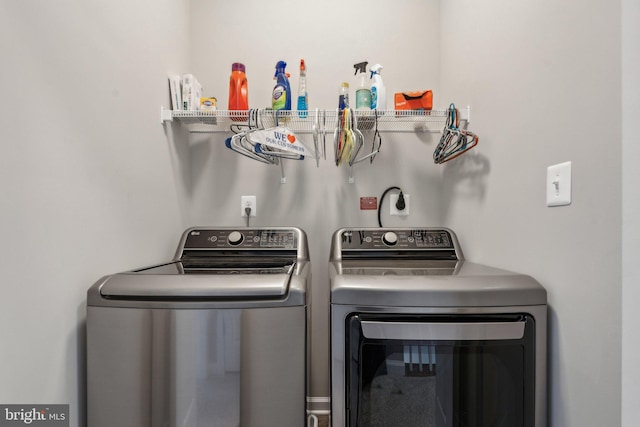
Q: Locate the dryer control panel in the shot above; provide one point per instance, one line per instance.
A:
(386, 238)
(424, 243)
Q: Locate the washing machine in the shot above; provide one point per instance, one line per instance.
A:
(215, 337)
(421, 337)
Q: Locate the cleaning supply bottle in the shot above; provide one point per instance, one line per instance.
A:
(281, 98)
(187, 91)
(303, 100)
(343, 97)
(363, 91)
(238, 88)
(378, 91)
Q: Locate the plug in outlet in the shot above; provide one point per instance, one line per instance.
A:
(248, 202)
(393, 199)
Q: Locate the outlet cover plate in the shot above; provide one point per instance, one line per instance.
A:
(393, 199)
(248, 202)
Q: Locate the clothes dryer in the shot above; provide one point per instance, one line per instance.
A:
(419, 336)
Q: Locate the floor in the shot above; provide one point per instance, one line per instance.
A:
(323, 421)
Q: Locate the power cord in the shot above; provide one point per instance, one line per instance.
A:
(247, 210)
(400, 204)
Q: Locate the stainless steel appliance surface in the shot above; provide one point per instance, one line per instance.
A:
(215, 337)
(419, 336)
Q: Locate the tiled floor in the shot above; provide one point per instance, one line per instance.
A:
(323, 421)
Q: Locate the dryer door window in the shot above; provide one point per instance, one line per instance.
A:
(440, 371)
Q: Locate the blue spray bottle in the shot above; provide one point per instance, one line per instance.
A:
(281, 98)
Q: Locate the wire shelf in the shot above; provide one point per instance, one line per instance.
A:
(323, 120)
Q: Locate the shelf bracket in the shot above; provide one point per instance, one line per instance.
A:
(165, 115)
(283, 178)
(465, 114)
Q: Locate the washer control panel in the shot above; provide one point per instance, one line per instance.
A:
(411, 239)
(241, 239)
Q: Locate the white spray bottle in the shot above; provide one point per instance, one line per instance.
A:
(378, 91)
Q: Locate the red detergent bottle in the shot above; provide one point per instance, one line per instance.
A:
(238, 91)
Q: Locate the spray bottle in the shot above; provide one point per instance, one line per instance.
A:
(378, 91)
(363, 91)
(281, 98)
(343, 96)
(303, 99)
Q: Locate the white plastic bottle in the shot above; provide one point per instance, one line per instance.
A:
(188, 88)
(378, 91)
(343, 97)
(191, 93)
(303, 97)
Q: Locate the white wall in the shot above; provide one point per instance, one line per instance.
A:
(91, 183)
(319, 200)
(543, 82)
(543, 79)
(85, 174)
(630, 213)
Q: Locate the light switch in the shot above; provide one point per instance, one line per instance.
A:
(559, 184)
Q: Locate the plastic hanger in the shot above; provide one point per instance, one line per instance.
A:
(241, 145)
(348, 140)
(279, 141)
(345, 137)
(454, 141)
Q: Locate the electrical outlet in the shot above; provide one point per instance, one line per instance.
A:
(393, 199)
(248, 202)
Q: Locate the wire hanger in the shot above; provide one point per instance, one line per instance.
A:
(316, 137)
(376, 144)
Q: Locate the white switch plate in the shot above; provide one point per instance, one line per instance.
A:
(248, 202)
(393, 199)
(559, 184)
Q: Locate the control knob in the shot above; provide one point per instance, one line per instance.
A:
(235, 238)
(390, 238)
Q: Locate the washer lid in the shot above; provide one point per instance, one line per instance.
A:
(229, 285)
